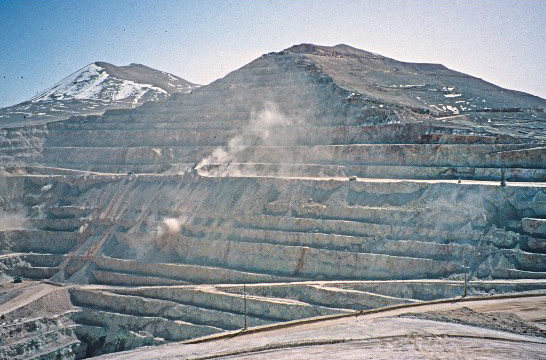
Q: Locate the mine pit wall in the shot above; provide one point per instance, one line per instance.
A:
(405, 161)
(316, 115)
(446, 155)
(74, 134)
(379, 171)
(364, 230)
(258, 230)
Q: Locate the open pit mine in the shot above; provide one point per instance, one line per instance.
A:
(312, 183)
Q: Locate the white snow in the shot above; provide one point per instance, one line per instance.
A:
(94, 83)
(46, 187)
(452, 95)
(353, 96)
(453, 109)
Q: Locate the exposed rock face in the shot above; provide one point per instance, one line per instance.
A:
(246, 181)
(490, 328)
(94, 89)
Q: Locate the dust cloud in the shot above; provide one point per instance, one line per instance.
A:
(260, 131)
(13, 219)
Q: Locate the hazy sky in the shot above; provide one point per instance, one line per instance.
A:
(42, 41)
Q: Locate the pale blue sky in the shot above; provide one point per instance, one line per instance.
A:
(42, 41)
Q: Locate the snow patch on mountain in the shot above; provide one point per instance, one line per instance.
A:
(95, 88)
(95, 83)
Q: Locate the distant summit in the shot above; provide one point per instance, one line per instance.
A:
(92, 90)
(133, 83)
(341, 49)
(428, 88)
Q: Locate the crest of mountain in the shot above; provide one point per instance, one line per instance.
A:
(430, 87)
(92, 90)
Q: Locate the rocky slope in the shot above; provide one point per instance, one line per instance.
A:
(92, 90)
(305, 174)
(492, 328)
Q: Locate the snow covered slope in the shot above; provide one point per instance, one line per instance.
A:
(91, 90)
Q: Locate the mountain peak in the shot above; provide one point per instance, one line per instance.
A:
(426, 87)
(94, 88)
(340, 50)
(107, 82)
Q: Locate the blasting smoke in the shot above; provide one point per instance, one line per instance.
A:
(258, 132)
(169, 226)
(12, 220)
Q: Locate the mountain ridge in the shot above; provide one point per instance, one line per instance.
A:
(390, 78)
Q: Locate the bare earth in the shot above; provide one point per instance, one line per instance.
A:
(456, 330)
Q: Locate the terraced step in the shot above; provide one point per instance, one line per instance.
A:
(392, 209)
(442, 155)
(183, 272)
(377, 171)
(39, 241)
(69, 212)
(40, 260)
(70, 225)
(419, 290)
(427, 290)
(17, 264)
(141, 306)
(535, 227)
(126, 279)
(267, 308)
(536, 245)
(316, 240)
(309, 262)
(516, 274)
(64, 342)
(36, 272)
(98, 340)
(16, 330)
(430, 250)
(526, 261)
(115, 124)
(371, 244)
(322, 295)
(61, 341)
(169, 330)
(360, 229)
(113, 168)
(43, 260)
(68, 349)
(169, 134)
